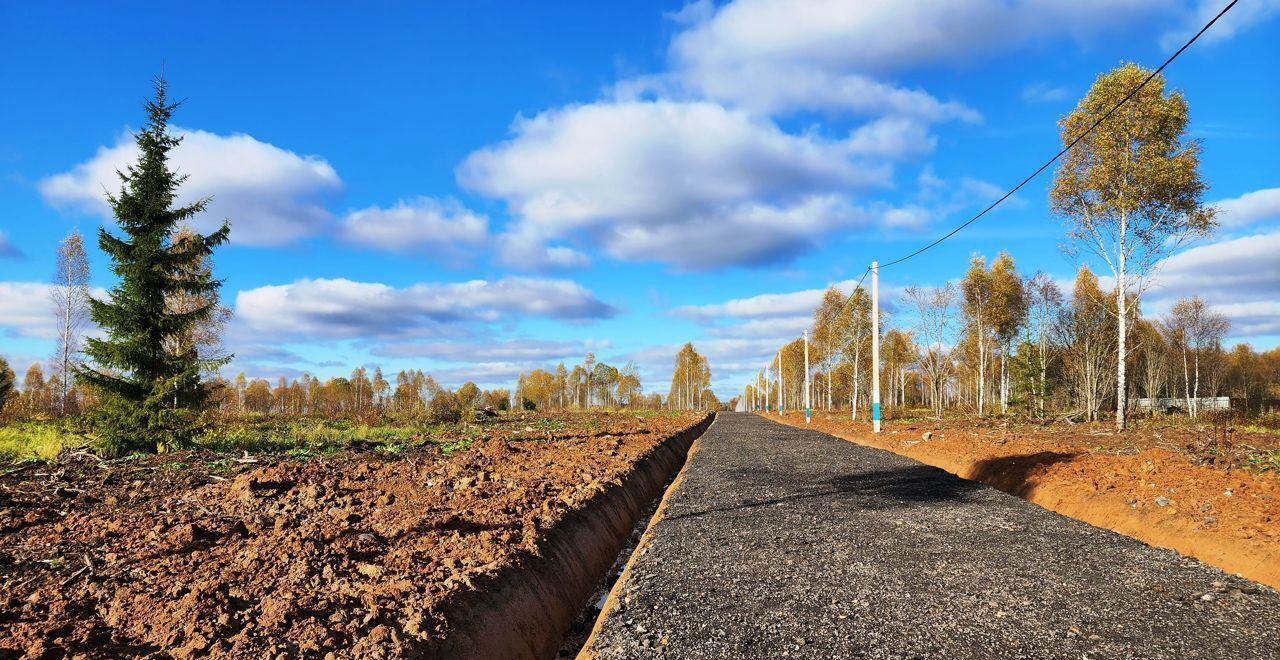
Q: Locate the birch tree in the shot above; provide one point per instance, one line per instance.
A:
(1130, 190)
(934, 308)
(70, 297)
(1198, 327)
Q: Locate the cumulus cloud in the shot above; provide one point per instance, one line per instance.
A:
(1249, 208)
(413, 224)
(778, 55)
(8, 250)
(650, 179)
(272, 196)
(763, 306)
(26, 309)
(1239, 277)
(345, 309)
(837, 37)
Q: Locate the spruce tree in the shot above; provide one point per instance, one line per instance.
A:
(150, 391)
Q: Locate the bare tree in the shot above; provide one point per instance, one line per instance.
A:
(1198, 327)
(70, 297)
(933, 323)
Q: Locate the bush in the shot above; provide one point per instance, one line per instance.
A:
(444, 408)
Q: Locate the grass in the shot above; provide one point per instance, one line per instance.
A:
(36, 440)
(1267, 461)
(302, 438)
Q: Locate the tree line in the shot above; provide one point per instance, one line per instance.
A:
(1130, 192)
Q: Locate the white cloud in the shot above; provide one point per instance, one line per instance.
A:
(649, 180)
(891, 137)
(27, 310)
(1239, 277)
(272, 196)
(1250, 208)
(1241, 17)
(776, 55)
(540, 350)
(763, 306)
(525, 247)
(413, 224)
(341, 308)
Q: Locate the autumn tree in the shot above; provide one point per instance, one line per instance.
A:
(380, 387)
(830, 330)
(690, 376)
(6, 383)
(629, 387)
(977, 297)
(468, 395)
(856, 347)
(1086, 331)
(1008, 314)
(149, 395)
(70, 297)
(203, 338)
(1130, 189)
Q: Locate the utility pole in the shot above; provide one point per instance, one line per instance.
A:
(806, 376)
(875, 347)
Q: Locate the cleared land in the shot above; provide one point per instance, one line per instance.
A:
(778, 541)
(361, 552)
(1211, 493)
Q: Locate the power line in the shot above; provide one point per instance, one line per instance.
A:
(1073, 143)
(1047, 163)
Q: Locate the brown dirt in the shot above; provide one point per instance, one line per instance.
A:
(361, 553)
(1174, 487)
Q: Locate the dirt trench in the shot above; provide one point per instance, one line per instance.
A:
(526, 612)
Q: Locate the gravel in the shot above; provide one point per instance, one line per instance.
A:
(782, 542)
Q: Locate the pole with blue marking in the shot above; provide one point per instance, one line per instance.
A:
(875, 347)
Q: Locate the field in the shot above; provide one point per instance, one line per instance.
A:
(358, 543)
(1212, 492)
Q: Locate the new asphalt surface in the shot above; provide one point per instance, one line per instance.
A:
(783, 542)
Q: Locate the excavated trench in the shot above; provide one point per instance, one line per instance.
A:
(544, 608)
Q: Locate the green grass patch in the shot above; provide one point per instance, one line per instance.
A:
(1266, 461)
(36, 440)
(300, 438)
(461, 444)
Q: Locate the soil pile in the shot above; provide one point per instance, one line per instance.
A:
(360, 552)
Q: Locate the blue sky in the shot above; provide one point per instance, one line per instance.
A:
(479, 188)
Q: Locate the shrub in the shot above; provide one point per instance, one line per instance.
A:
(444, 408)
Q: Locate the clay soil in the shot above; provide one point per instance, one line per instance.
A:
(1179, 487)
(357, 554)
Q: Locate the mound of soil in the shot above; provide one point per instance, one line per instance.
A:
(1175, 487)
(358, 554)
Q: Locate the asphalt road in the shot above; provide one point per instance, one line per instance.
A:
(782, 542)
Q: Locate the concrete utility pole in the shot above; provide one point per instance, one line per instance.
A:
(806, 376)
(875, 347)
